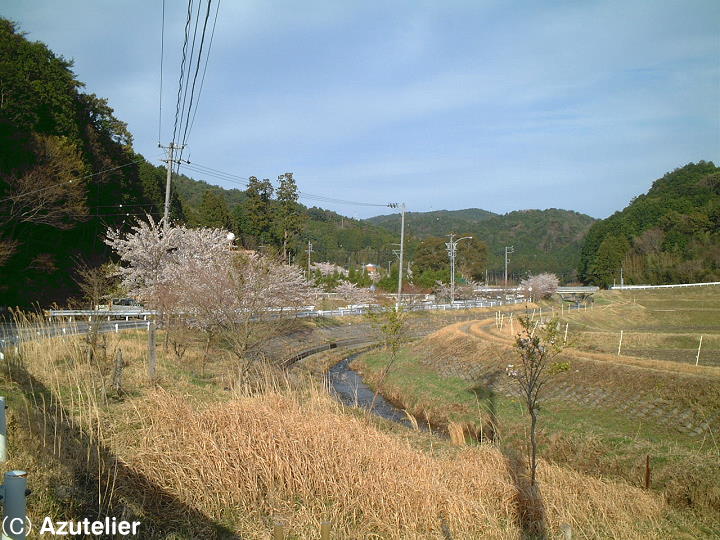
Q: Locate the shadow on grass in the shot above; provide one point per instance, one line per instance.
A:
(528, 499)
(128, 494)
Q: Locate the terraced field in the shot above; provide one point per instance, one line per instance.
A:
(608, 412)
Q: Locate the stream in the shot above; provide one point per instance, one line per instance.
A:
(347, 386)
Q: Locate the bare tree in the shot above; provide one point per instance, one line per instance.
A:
(537, 347)
(96, 283)
(52, 192)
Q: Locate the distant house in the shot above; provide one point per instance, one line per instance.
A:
(371, 269)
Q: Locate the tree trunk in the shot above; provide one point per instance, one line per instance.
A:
(533, 444)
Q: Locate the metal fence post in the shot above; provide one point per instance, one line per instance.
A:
(14, 523)
(3, 432)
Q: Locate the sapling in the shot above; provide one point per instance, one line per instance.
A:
(537, 347)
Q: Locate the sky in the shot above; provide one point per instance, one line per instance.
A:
(503, 105)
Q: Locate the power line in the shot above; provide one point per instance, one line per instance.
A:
(207, 58)
(162, 55)
(242, 180)
(197, 70)
(74, 180)
(182, 67)
(189, 70)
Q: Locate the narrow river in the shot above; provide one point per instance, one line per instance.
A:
(347, 386)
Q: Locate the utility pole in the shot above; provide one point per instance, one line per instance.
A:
(508, 250)
(309, 251)
(452, 252)
(170, 161)
(402, 247)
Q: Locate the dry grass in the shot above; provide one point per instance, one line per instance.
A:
(191, 456)
(303, 460)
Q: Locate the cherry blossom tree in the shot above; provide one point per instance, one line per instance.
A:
(540, 285)
(328, 269)
(193, 274)
(352, 294)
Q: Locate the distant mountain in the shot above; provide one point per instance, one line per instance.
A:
(543, 240)
(669, 235)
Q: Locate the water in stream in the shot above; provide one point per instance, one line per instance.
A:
(349, 388)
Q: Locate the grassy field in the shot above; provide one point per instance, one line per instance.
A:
(665, 324)
(604, 416)
(193, 455)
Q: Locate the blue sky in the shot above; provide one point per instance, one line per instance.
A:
(444, 105)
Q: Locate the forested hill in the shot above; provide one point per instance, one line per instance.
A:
(544, 240)
(67, 172)
(669, 235)
(435, 223)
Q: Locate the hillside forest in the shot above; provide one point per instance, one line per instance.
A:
(671, 234)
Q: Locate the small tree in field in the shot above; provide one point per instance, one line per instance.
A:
(537, 347)
(392, 324)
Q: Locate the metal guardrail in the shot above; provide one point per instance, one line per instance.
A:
(303, 312)
(636, 287)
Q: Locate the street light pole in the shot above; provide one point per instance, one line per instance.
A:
(452, 252)
(402, 248)
(508, 250)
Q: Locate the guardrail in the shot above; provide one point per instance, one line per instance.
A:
(299, 312)
(636, 287)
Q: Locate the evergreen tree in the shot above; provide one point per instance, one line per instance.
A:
(256, 213)
(290, 219)
(609, 259)
(213, 211)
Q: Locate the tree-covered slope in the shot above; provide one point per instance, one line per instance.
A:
(435, 223)
(669, 235)
(67, 172)
(544, 240)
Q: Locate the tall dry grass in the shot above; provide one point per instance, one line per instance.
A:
(276, 451)
(302, 459)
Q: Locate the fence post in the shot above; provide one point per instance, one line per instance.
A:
(325, 530)
(152, 357)
(14, 521)
(117, 371)
(3, 431)
(620, 342)
(278, 531)
(697, 358)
